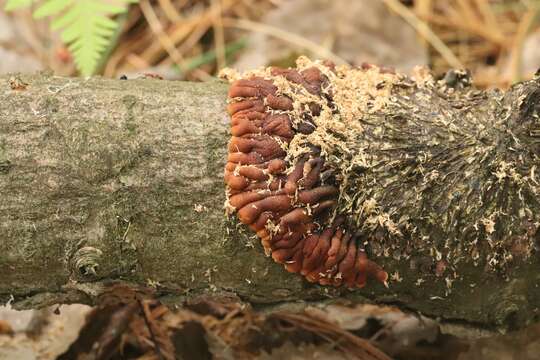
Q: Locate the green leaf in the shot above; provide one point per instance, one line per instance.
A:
(86, 27)
(69, 17)
(51, 7)
(105, 22)
(17, 4)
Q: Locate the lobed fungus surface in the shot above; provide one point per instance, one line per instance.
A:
(283, 128)
(333, 167)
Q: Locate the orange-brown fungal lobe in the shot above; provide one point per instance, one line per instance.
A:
(279, 183)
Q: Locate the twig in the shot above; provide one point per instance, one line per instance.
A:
(219, 37)
(423, 29)
(289, 37)
(157, 29)
(149, 326)
(524, 27)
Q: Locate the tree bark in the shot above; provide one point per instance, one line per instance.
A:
(109, 181)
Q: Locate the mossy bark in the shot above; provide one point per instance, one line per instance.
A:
(109, 181)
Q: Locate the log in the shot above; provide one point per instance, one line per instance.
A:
(106, 182)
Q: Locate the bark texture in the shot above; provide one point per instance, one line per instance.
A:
(108, 181)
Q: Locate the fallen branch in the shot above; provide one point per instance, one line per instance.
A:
(121, 182)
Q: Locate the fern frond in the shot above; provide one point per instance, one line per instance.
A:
(87, 29)
(17, 4)
(85, 25)
(51, 7)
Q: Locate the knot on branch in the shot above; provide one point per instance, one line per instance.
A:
(85, 261)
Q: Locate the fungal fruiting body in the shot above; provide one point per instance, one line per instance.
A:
(339, 169)
(278, 181)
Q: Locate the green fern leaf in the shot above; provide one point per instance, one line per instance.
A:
(85, 25)
(17, 4)
(87, 31)
(51, 7)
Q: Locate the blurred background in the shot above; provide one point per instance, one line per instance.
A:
(497, 40)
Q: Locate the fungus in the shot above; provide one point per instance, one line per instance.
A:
(279, 183)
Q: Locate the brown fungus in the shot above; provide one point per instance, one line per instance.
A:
(284, 191)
